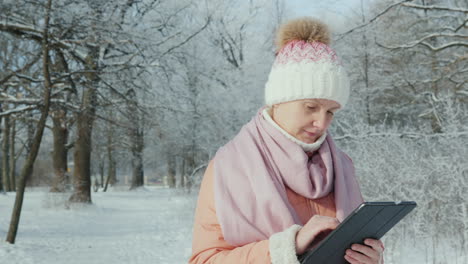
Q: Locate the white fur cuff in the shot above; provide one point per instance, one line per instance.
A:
(283, 246)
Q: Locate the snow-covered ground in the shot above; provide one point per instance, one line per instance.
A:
(151, 225)
(144, 226)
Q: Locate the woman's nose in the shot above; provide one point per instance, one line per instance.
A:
(320, 122)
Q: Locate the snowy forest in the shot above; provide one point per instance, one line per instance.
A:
(131, 99)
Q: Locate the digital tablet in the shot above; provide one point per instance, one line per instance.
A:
(368, 220)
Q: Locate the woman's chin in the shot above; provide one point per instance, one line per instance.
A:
(308, 140)
(308, 137)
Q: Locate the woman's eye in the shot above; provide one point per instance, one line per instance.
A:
(331, 113)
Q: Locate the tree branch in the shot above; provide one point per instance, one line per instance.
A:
(18, 110)
(189, 38)
(25, 68)
(342, 35)
(30, 32)
(439, 8)
(427, 45)
(402, 135)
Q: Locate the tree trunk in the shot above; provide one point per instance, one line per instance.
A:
(171, 175)
(182, 173)
(366, 69)
(111, 163)
(60, 130)
(101, 173)
(1, 181)
(136, 139)
(30, 132)
(60, 152)
(82, 154)
(96, 185)
(83, 145)
(111, 171)
(138, 173)
(107, 184)
(29, 163)
(6, 155)
(137, 160)
(190, 166)
(12, 155)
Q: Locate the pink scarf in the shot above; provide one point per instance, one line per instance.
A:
(252, 170)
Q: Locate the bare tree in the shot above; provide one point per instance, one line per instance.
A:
(28, 166)
(13, 157)
(6, 154)
(136, 137)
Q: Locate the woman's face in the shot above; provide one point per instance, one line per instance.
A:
(305, 119)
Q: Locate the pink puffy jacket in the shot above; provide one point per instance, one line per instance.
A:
(209, 246)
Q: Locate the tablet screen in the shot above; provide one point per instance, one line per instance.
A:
(368, 220)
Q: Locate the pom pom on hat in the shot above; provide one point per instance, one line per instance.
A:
(306, 67)
(305, 29)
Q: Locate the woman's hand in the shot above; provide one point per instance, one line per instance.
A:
(316, 225)
(370, 253)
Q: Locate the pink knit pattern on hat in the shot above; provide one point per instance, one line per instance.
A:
(299, 51)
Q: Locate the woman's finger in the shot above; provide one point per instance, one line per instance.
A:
(359, 256)
(375, 244)
(366, 250)
(352, 260)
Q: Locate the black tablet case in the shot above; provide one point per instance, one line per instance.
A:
(368, 220)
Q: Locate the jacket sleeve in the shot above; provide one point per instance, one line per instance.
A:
(209, 246)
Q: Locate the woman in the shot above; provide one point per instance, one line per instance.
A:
(280, 185)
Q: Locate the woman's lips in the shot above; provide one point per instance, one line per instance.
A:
(310, 134)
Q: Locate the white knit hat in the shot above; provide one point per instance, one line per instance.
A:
(305, 66)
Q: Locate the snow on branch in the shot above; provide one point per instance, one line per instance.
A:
(29, 78)
(440, 8)
(448, 45)
(406, 4)
(18, 110)
(31, 32)
(26, 67)
(462, 92)
(21, 29)
(4, 97)
(429, 46)
(445, 35)
(402, 135)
